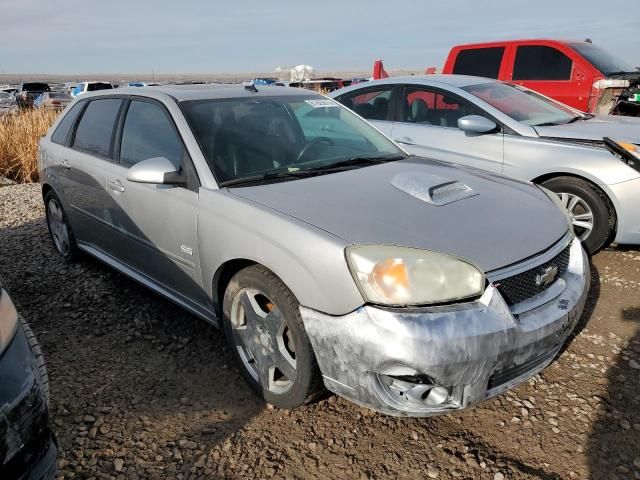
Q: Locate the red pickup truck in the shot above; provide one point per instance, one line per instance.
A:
(579, 74)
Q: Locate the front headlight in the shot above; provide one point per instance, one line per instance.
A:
(8, 320)
(632, 148)
(628, 152)
(398, 276)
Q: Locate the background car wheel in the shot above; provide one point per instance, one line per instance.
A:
(37, 353)
(263, 326)
(590, 210)
(59, 228)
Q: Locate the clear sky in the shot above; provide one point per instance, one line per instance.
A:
(215, 36)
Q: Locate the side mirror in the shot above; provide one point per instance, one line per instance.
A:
(476, 124)
(157, 170)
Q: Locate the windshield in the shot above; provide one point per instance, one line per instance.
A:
(245, 137)
(602, 60)
(522, 104)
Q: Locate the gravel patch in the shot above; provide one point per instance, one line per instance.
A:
(143, 390)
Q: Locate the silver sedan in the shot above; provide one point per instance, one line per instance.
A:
(591, 162)
(328, 255)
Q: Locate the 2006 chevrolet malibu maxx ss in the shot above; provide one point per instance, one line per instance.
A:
(327, 254)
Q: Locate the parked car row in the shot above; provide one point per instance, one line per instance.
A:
(385, 252)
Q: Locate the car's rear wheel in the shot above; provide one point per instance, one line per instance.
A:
(588, 207)
(263, 326)
(59, 228)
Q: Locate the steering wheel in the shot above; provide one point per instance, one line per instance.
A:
(325, 140)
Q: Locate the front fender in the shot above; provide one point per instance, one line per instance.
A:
(531, 159)
(308, 260)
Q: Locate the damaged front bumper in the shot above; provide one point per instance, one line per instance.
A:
(427, 361)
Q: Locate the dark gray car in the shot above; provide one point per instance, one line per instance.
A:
(328, 255)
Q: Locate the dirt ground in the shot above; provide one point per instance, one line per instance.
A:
(143, 390)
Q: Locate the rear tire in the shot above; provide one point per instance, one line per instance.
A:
(263, 326)
(588, 206)
(60, 230)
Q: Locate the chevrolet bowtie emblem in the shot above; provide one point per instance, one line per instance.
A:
(546, 276)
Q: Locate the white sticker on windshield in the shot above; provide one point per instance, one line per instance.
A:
(321, 103)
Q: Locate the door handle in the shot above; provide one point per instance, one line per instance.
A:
(116, 186)
(405, 141)
(65, 164)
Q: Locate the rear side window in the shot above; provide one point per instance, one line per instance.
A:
(62, 131)
(148, 132)
(537, 62)
(95, 130)
(481, 62)
(372, 104)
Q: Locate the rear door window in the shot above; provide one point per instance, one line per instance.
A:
(62, 130)
(95, 130)
(148, 132)
(481, 62)
(539, 62)
(371, 104)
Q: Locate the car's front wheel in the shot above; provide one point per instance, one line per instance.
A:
(59, 227)
(588, 207)
(263, 326)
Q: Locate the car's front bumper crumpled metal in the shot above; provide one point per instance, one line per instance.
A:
(391, 360)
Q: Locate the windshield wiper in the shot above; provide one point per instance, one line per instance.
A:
(355, 162)
(310, 172)
(265, 176)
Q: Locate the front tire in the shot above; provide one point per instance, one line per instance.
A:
(590, 210)
(59, 228)
(263, 326)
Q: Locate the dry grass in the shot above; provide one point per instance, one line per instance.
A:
(19, 136)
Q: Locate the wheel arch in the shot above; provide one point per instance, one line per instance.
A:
(223, 276)
(610, 202)
(46, 188)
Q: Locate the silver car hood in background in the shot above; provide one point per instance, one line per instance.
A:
(616, 127)
(487, 219)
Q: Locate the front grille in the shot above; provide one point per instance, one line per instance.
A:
(524, 286)
(508, 374)
(24, 433)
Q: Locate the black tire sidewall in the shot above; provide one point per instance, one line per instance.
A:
(602, 221)
(307, 375)
(73, 249)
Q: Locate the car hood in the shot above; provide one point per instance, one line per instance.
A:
(616, 127)
(487, 219)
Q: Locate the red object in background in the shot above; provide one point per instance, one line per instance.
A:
(430, 70)
(553, 68)
(379, 71)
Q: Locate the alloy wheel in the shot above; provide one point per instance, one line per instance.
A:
(58, 227)
(580, 214)
(263, 341)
